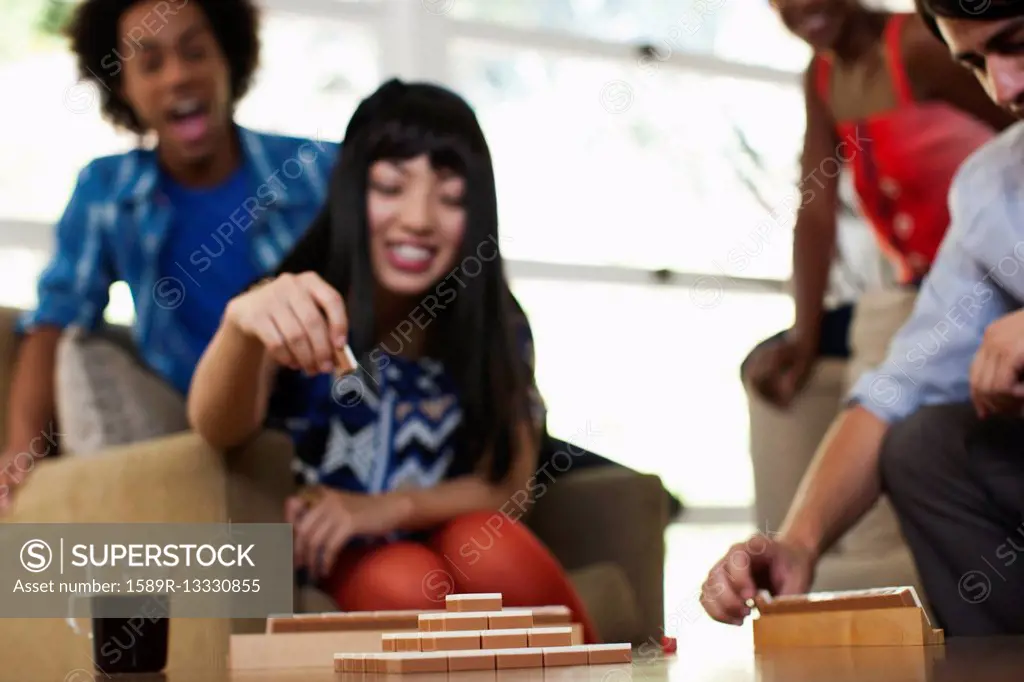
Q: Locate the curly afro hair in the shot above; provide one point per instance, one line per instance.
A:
(93, 31)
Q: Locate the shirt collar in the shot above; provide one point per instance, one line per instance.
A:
(139, 174)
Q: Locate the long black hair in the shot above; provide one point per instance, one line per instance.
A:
(474, 335)
(978, 10)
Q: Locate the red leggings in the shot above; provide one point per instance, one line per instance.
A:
(468, 554)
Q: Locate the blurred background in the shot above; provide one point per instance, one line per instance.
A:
(646, 154)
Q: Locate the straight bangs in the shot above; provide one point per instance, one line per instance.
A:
(434, 127)
(445, 130)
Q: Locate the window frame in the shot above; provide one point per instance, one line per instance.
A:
(418, 48)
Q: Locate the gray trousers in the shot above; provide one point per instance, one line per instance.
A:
(957, 485)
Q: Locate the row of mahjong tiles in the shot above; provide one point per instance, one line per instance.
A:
(483, 659)
(475, 632)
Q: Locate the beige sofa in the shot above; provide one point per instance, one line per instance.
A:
(605, 525)
(873, 553)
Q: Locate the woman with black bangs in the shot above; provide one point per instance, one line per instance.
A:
(413, 459)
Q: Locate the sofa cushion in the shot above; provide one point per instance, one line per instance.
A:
(610, 600)
(105, 396)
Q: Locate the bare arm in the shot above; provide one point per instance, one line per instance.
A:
(935, 75)
(841, 485)
(814, 235)
(31, 410)
(227, 401)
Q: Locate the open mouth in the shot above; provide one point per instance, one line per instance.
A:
(189, 119)
(411, 257)
(814, 24)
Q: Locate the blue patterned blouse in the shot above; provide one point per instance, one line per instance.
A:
(375, 434)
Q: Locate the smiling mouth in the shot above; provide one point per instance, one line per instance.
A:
(814, 24)
(412, 253)
(411, 257)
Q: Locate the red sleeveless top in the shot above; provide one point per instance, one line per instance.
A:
(904, 161)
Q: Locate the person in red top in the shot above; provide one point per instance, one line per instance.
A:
(884, 99)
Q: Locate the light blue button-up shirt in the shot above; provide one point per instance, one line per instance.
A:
(117, 222)
(977, 277)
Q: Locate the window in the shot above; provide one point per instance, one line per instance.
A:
(600, 162)
(21, 268)
(54, 127)
(745, 31)
(313, 74)
(649, 377)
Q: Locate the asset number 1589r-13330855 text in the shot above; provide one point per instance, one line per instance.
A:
(196, 585)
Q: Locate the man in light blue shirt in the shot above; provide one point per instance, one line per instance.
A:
(187, 223)
(938, 426)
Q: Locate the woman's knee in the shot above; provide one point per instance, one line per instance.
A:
(489, 549)
(404, 575)
(468, 536)
(490, 552)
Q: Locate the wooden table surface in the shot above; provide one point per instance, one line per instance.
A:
(968, 660)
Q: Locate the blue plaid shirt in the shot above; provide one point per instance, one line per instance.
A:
(117, 223)
(977, 277)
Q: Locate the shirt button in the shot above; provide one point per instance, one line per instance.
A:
(903, 225)
(889, 187)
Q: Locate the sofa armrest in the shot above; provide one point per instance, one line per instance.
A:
(176, 479)
(608, 514)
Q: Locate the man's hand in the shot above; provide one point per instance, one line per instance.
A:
(326, 520)
(996, 387)
(779, 370)
(760, 563)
